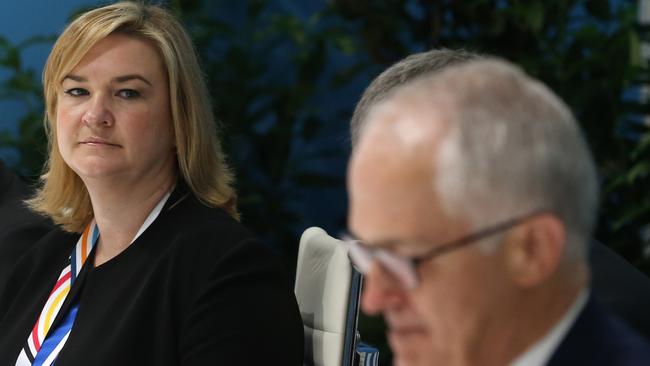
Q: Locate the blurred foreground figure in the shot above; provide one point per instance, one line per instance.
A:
(473, 197)
(616, 283)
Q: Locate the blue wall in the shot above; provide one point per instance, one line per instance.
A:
(20, 20)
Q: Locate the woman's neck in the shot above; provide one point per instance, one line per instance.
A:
(120, 211)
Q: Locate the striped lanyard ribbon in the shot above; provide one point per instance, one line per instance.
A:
(34, 353)
(42, 348)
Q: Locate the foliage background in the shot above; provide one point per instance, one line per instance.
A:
(285, 76)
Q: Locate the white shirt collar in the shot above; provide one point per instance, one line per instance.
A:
(152, 215)
(539, 353)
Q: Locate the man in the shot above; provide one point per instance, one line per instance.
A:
(19, 227)
(473, 194)
(615, 282)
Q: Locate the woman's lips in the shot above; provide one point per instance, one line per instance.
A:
(93, 141)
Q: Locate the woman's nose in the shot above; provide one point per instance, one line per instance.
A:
(98, 113)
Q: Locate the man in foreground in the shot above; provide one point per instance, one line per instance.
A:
(616, 283)
(473, 194)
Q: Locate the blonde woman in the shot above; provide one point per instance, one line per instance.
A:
(152, 266)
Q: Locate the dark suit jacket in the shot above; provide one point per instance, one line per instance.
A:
(598, 338)
(621, 288)
(19, 227)
(195, 288)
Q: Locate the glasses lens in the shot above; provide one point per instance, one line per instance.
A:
(401, 268)
(360, 256)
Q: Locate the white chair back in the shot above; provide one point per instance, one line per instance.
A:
(327, 290)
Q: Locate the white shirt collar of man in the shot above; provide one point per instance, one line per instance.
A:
(539, 353)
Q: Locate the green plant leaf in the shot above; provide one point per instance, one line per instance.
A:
(638, 171)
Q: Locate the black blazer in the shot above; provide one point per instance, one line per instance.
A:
(621, 288)
(19, 227)
(600, 339)
(194, 289)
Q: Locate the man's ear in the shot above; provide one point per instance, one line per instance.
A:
(534, 249)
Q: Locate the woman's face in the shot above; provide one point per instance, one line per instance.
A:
(113, 118)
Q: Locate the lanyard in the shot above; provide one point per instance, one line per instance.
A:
(42, 346)
(68, 275)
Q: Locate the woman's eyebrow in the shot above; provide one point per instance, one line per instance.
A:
(75, 78)
(119, 79)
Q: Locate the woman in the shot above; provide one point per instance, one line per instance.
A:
(153, 267)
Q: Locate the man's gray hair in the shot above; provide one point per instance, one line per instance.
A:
(404, 71)
(512, 147)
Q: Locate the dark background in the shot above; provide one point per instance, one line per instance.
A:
(285, 76)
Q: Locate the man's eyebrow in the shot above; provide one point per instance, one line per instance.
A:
(119, 79)
(383, 244)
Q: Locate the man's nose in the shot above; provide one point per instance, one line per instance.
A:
(381, 291)
(98, 112)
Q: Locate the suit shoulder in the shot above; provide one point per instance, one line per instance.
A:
(600, 338)
(206, 231)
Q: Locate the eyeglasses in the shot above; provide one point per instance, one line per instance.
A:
(404, 269)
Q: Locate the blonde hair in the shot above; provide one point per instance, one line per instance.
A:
(201, 162)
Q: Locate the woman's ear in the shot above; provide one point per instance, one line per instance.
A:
(534, 249)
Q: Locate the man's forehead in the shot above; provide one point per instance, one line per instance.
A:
(407, 121)
(394, 162)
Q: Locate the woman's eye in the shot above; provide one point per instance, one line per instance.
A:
(128, 94)
(76, 92)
